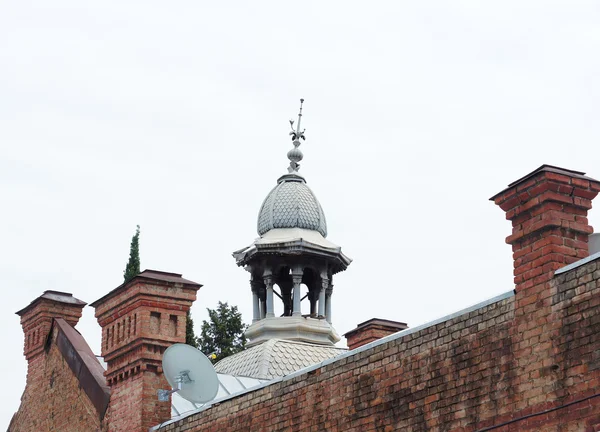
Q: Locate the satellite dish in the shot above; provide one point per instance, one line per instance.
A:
(190, 373)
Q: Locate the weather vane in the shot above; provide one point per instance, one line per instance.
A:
(295, 155)
(296, 133)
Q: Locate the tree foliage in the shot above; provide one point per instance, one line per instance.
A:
(224, 334)
(133, 266)
(190, 336)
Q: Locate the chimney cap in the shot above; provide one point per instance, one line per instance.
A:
(152, 275)
(546, 168)
(55, 296)
(393, 326)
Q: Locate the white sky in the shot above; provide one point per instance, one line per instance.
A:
(174, 116)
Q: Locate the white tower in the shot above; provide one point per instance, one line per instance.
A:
(292, 251)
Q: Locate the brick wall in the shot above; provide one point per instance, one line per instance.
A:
(484, 368)
(54, 398)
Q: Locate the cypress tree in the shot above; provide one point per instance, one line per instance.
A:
(190, 337)
(133, 266)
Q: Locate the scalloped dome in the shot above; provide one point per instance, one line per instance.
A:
(291, 204)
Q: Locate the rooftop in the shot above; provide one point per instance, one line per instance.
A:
(291, 204)
(275, 358)
(55, 296)
(546, 168)
(150, 275)
(378, 322)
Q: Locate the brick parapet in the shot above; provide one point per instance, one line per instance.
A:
(482, 369)
(357, 391)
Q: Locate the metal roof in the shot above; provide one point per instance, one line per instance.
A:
(547, 168)
(291, 204)
(150, 275)
(56, 296)
(294, 242)
(287, 235)
(388, 325)
(228, 385)
(81, 360)
(275, 358)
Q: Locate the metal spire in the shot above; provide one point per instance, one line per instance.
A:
(295, 155)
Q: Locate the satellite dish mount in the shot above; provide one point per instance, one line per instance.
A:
(190, 374)
(182, 378)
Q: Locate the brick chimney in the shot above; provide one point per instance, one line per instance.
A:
(36, 318)
(139, 320)
(548, 209)
(372, 330)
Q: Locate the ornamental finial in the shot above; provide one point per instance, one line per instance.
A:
(295, 155)
(296, 134)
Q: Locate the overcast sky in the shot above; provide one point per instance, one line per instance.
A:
(174, 116)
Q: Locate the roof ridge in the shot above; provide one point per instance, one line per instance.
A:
(160, 272)
(304, 343)
(265, 358)
(83, 363)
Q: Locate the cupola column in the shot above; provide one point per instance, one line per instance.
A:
(256, 286)
(324, 285)
(297, 280)
(328, 293)
(268, 278)
(255, 307)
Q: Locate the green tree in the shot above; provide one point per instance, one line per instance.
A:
(133, 266)
(224, 334)
(190, 336)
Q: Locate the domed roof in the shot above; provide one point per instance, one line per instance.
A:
(291, 204)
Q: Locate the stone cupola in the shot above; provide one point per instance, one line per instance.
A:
(292, 254)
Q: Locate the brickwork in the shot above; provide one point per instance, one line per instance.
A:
(138, 395)
(54, 399)
(548, 209)
(36, 318)
(475, 371)
(139, 321)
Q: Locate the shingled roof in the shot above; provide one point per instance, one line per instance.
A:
(276, 358)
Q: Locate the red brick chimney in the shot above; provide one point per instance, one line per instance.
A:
(548, 209)
(36, 318)
(372, 330)
(139, 320)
